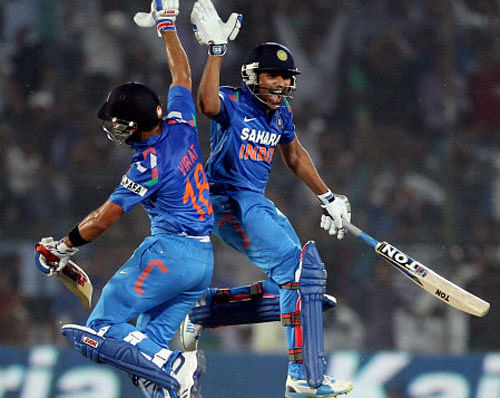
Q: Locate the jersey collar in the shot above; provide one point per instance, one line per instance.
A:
(151, 140)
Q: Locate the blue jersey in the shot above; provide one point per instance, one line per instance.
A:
(243, 141)
(166, 174)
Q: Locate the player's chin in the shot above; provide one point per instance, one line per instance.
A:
(274, 101)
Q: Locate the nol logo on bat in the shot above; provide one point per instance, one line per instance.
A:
(398, 258)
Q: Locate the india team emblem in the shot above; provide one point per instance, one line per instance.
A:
(282, 55)
(279, 122)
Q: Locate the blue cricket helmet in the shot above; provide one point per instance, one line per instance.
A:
(271, 56)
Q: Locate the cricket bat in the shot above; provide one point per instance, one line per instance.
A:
(423, 276)
(74, 278)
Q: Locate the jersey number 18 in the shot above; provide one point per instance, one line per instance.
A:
(201, 186)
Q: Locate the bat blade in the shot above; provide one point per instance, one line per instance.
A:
(423, 276)
(76, 280)
(72, 276)
(432, 282)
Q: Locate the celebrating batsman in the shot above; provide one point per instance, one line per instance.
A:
(248, 123)
(166, 274)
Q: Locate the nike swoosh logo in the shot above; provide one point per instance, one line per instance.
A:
(123, 272)
(248, 119)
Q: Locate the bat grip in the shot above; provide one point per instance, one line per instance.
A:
(352, 228)
(358, 233)
(45, 252)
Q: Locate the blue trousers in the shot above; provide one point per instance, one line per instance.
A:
(251, 223)
(159, 285)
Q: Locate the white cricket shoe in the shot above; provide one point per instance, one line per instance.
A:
(184, 370)
(189, 334)
(329, 388)
(149, 389)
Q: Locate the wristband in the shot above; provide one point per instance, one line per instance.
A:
(326, 197)
(164, 25)
(75, 238)
(217, 49)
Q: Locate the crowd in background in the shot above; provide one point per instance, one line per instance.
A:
(398, 104)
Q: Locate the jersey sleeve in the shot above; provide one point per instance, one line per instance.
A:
(139, 183)
(180, 106)
(288, 134)
(228, 99)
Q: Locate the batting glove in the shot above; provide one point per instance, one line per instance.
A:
(336, 208)
(209, 29)
(52, 256)
(162, 15)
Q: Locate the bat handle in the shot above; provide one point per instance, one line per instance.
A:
(358, 233)
(352, 228)
(45, 252)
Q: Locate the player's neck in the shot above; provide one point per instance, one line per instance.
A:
(148, 134)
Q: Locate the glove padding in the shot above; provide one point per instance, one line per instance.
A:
(209, 28)
(335, 211)
(52, 256)
(162, 14)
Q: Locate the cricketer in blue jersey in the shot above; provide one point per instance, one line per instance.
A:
(170, 269)
(248, 124)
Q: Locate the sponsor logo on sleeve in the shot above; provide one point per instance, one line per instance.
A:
(133, 186)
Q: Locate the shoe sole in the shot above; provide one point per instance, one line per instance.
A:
(307, 395)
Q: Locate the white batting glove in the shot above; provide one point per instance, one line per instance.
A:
(162, 15)
(209, 29)
(336, 208)
(52, 255)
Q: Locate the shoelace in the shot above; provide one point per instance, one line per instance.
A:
(136, 379)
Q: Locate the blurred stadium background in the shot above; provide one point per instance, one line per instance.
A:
(398, 104)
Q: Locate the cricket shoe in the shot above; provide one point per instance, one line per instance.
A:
(329, 388)
(185, 369)
(149, 389)
(190, 332)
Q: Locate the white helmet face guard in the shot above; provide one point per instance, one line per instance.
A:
(249, 73)
(118, 130)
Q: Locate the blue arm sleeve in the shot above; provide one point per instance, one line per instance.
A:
(138, 184)
(180, 106)
(289, 128)
(228, 100)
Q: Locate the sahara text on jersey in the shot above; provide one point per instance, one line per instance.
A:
(260, 136)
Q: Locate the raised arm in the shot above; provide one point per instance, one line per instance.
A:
(177, 60)
(163, 14)
(212, 32)
(208, 100)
